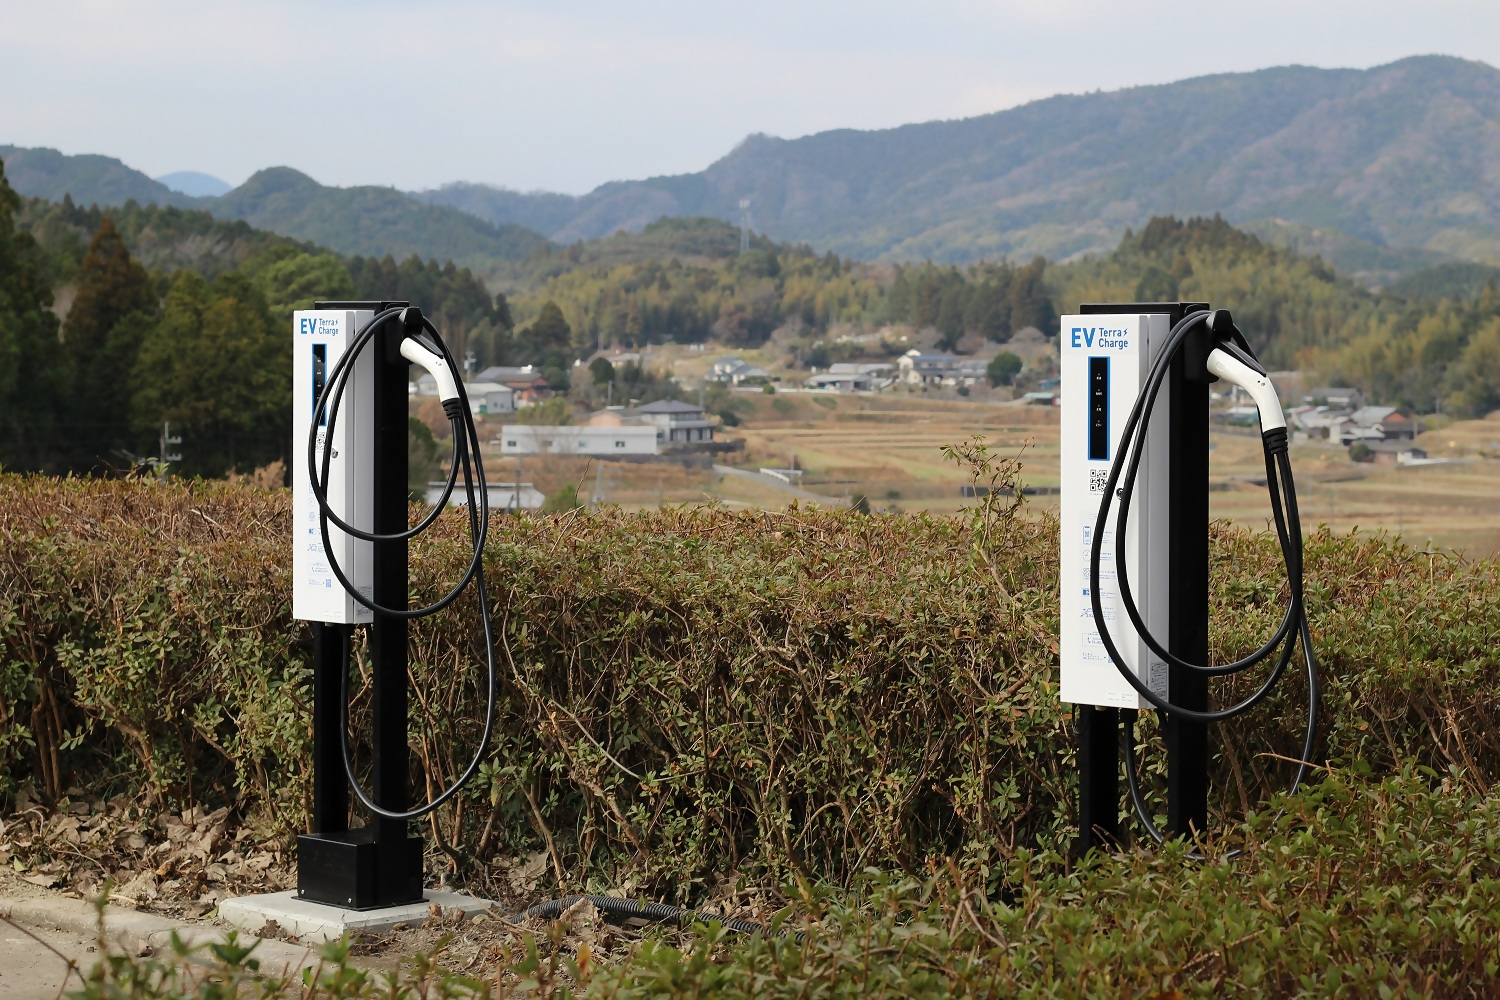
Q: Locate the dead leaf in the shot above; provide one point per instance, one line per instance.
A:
(45, 881)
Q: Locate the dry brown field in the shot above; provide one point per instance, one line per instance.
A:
(888, 448)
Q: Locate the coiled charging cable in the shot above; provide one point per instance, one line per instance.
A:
(1230, 358)
(422, 345)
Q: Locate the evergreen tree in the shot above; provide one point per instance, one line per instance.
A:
(112, 312)
(950, 316)
(32, 380)
(1030, 305)
(548, 341)
(219, 367)
(1003, 368)
(292, 279)
(988, 313)
(601, 371)
(900, 300)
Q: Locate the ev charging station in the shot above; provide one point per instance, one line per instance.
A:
(1134, 580)
(1134, 604)
(351, 371)
(377, 865)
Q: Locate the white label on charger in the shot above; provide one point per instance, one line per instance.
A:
(319, 340)
(1105, 359)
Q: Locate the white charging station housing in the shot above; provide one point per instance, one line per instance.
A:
(320, 337)
(1105, 360)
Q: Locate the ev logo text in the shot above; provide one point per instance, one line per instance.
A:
(325, 326)
(1093, 336)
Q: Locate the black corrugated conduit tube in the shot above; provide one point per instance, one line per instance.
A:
(625, 909)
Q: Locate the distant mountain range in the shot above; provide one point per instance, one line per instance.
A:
(1384, 171)
(192, 182)
(90, 179)
(373, 221)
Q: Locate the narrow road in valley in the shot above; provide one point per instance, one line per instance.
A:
(777, 484)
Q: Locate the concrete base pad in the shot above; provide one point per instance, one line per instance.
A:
(315, 923)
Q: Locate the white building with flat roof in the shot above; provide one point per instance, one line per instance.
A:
(503, 496)
(570, 439)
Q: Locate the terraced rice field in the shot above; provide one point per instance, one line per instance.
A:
(888, 448)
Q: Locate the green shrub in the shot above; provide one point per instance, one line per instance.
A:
(1359, 890)
(1003, 368)
(689, 693)
(1354, 888)
(564, 499)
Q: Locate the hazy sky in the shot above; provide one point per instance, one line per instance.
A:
(567, 94)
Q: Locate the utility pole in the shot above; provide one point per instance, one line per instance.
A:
(164, 455)
(744, 225)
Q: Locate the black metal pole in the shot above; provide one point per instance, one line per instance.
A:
(330, 812)
(1098, 777)
(1187, 555)
(395, 879)
(1187, 635)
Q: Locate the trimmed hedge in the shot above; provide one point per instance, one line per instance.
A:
(1359, 890)
(692, 692)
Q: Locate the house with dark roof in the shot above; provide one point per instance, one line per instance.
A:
(1377, 423)
(526, 381)
(737, 371)
(1394, 452)
(1335, 397)
(918, 368)
(676, 422)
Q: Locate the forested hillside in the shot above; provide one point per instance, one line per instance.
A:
(172, 314)
(89, 179)
(1382, 172)
(1420, 351)
(1393, 157)
(1436, 345)
(372, 221)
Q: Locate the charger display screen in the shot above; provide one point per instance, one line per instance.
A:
(319, 378)
(1099, 409)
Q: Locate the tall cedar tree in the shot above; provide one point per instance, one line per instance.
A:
(31, 372)
(115, 306)
(548, 341)
(217, 365)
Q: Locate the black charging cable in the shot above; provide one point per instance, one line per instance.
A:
(1293, 627)
(466, 455)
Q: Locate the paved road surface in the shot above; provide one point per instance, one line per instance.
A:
(28, 971)
(777, 484)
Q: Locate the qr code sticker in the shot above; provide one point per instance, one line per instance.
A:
(1097, 480)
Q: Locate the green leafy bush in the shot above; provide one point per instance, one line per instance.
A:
(1354, 888)
(688, 693)
(1358, 890)
(860, 709)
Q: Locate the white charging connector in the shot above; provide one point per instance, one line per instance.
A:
(1234, 371)
(434, 365)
